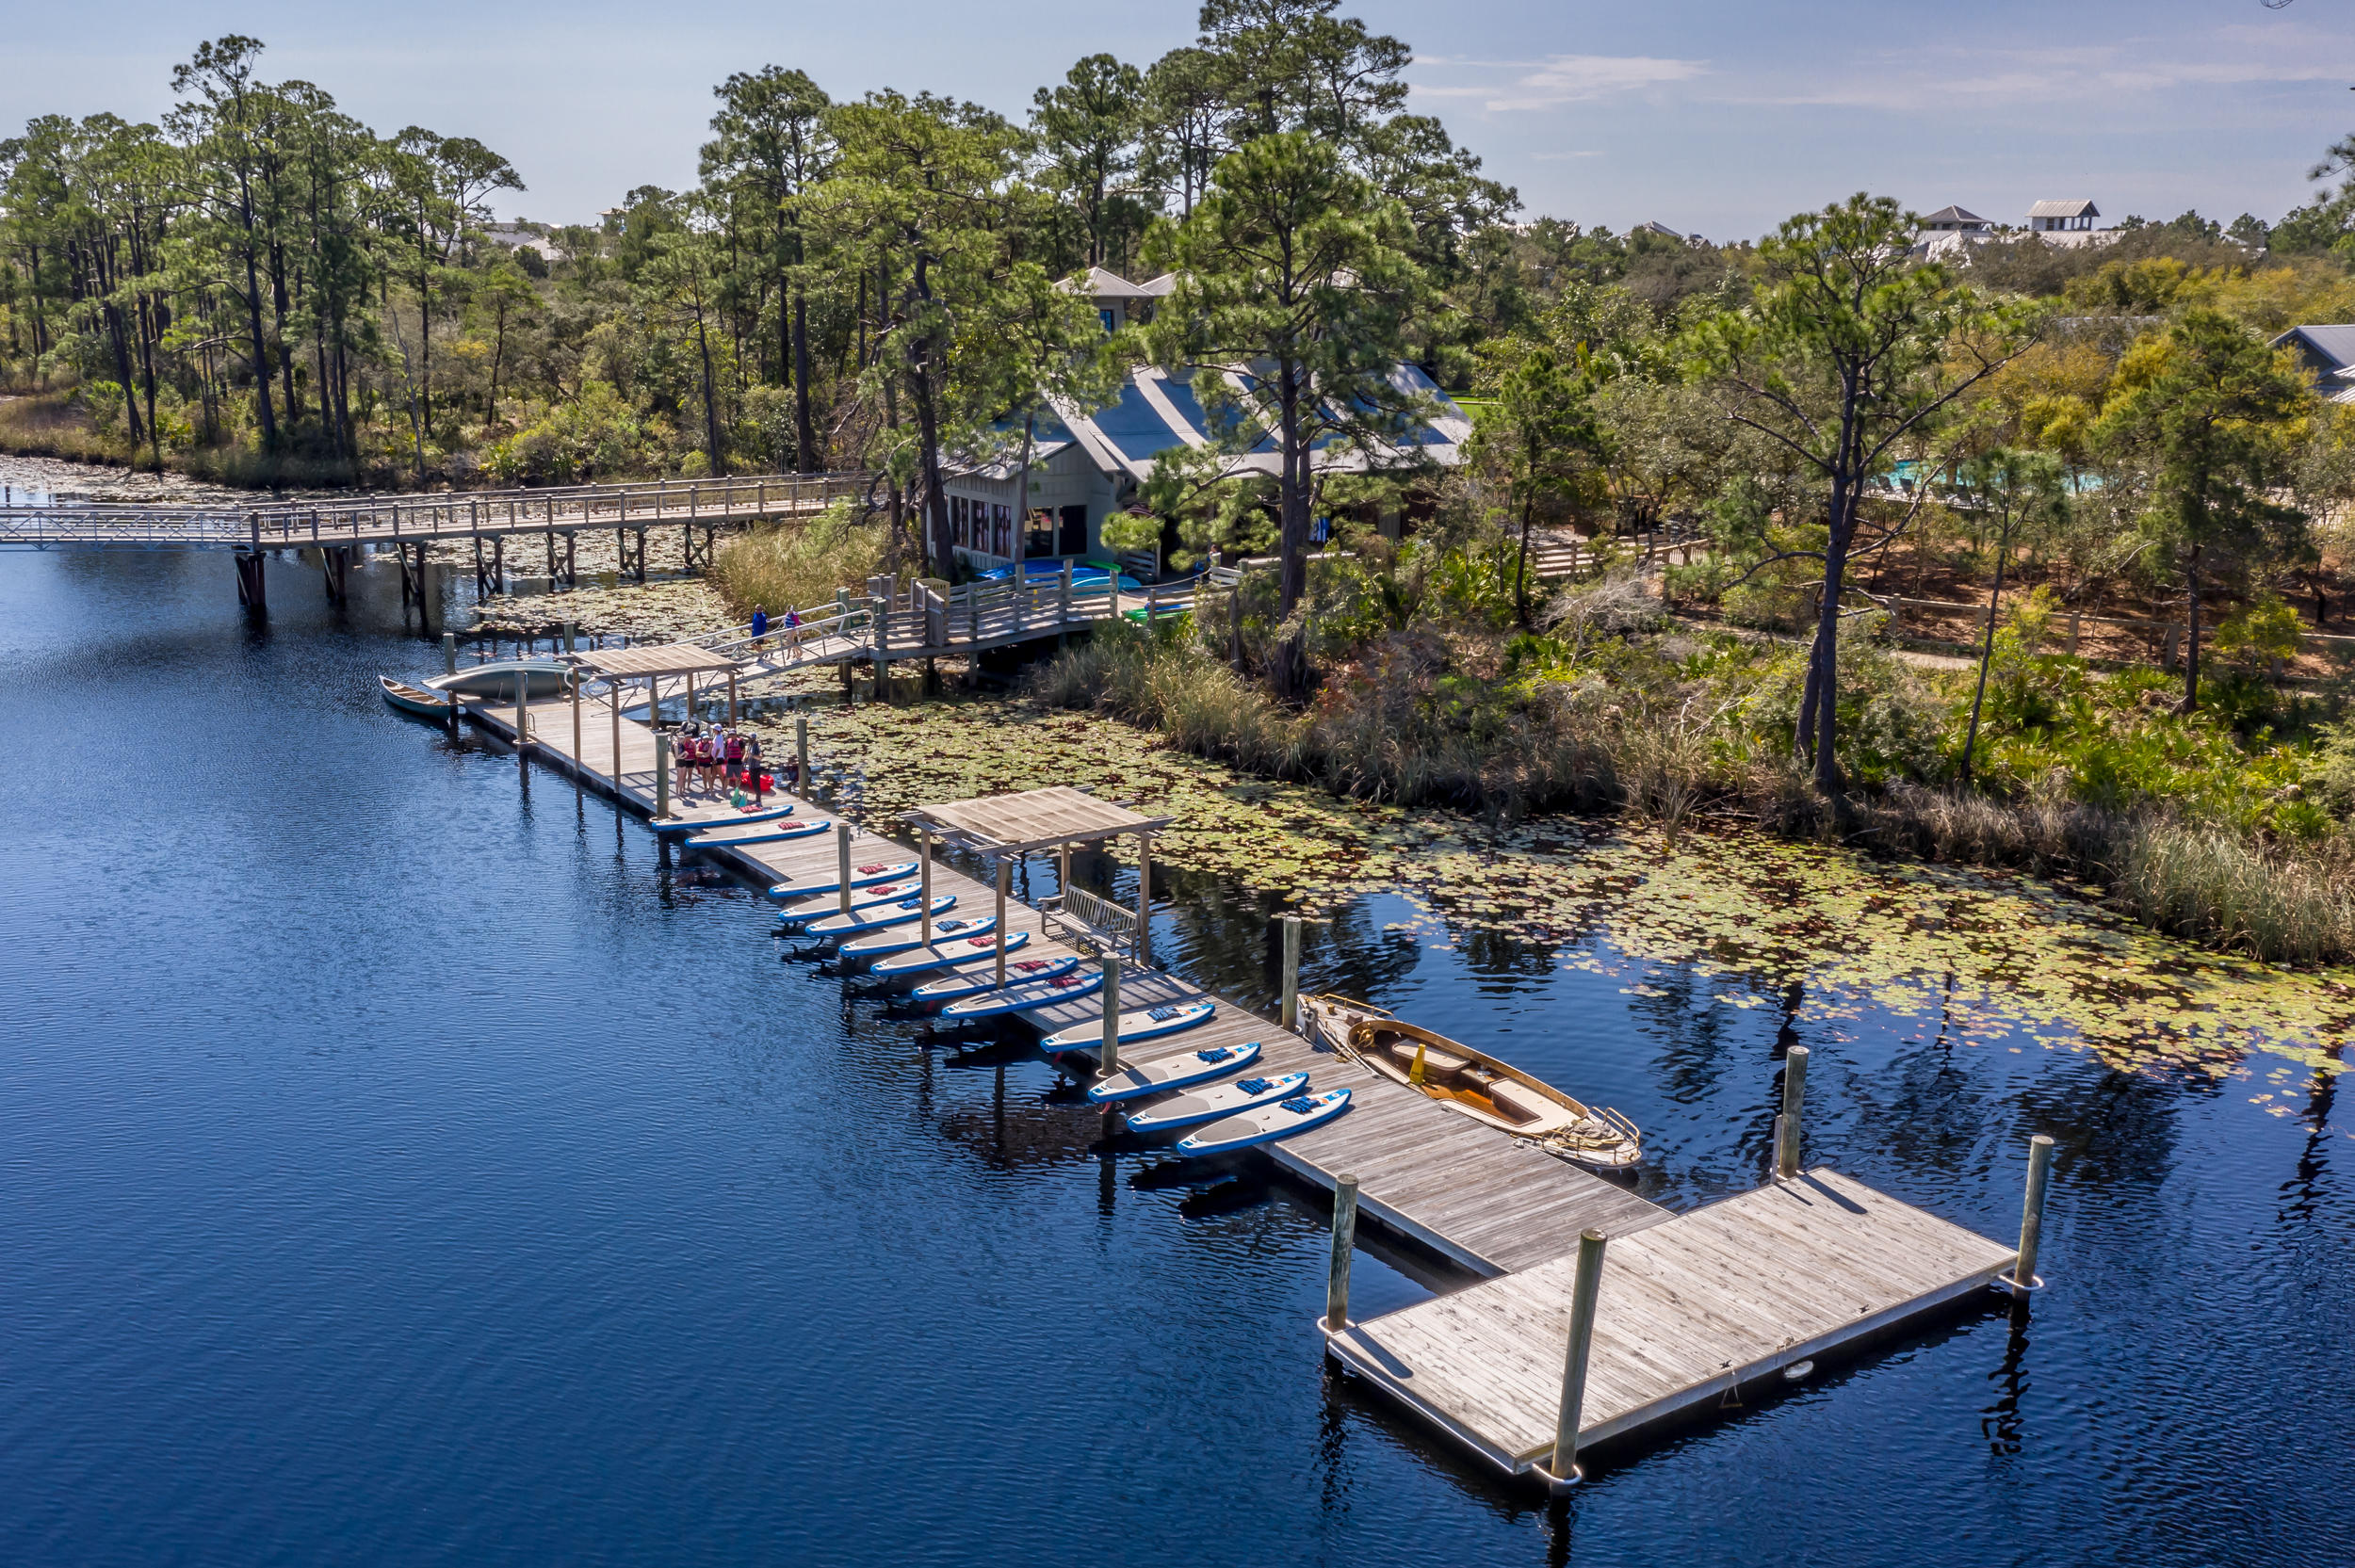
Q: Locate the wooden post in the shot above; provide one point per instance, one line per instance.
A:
(731, 697)
(449, 653)
(1344, 1247)
(614, 703)
(1062, 606)
(1582, 1293)
(577, 759)
(690, 696)
(924, 877)
(2032, 1212)
(2073, 616)
(800, 754)
(1787, 1127)
(661, 774)
(523, 716)
(1108, 1059)
(842, 861)
(1292, 972)
(1005, 881)
(1145, 885)
(568, 637)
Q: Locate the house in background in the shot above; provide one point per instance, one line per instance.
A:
(2327, 354)
(1955, 220)
(1085, 467)
(2053, 218)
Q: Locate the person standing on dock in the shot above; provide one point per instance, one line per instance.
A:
(757, 782)
(734, 771)
(683, 754)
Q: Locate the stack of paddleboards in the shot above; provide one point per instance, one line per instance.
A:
(957, 953)
(730, 819)
(1222, 1116)
(738, 834)
(861, 876)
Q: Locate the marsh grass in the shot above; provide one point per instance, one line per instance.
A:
(797, 565)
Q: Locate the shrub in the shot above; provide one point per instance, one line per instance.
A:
(799, 565)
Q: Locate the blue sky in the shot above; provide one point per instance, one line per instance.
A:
(1715, 116)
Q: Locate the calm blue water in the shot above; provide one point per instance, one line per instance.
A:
(400, 1165)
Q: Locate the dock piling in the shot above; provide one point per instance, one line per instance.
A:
(801, 753)
(2032, 1214)
(1005, 881)
(449, 653)
(924, 862)
(1344, 1248)
(1292, 972)
(523, 717)
(661, 774)
(569, 633)
(842, 861)
(1787, 1125)
(1107, 1061)
(1583, 1289)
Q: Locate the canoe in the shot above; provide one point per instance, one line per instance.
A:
(727, 820)
(1266, 1123)
(414, 698)
(1495, 1093)
(1145, 1024)
(1182, 1071)
(861, 876)
(541, 678)
(867, 898)
(941, 955)
(901, 913)
(1211, 1105)
(902, 940)
(1017, 998)
(758, 832)
(978, 974)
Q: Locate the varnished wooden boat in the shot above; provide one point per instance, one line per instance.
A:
(414, 698)
(1490, 1091)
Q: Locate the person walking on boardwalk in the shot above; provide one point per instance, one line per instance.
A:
(761, 627)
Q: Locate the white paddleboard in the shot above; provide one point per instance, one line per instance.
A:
(875, 919)
(942, 955)
(1210, 1104)
(900, 939)
(759, 833)
(1182, 1071)
(1266, 1123)
(866, 897)
(861, 876)
(1016, 997)
(1145, 1024)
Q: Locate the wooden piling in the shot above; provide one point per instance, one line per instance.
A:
(523, 715)
(1583, 1289)
(575, 679)
(1292, 972)
(1145, 909)
(1787, 1126)
(449, 653)
(924, 877)
(1344, 1248)
(800, 754)
(1005, 882)
(2032, 1213)
(1107, 1061)
(614, 703)
(661, 774)
(842, 861)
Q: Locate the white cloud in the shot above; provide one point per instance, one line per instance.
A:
(1561, 79)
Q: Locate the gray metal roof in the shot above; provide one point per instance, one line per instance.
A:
(2335, 344)
(2079, 208)
(1954, 215)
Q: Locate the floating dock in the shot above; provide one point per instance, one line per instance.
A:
(1691, 1307)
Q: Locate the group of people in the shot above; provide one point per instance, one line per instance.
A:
(717, 757)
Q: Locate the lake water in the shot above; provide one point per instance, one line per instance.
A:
(401, 1164)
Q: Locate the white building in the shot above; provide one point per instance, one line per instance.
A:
(2053, 218)
(1085, 467)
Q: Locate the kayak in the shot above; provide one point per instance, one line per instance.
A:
(942, 955)
(982, 974)
(1210, 1104)
(726, 820)
(819, 908)
(861, 876)
(758, 832)
(414, 698)
(903, 941)
(1145, 1023)
(1179, 1072)
(540, 678)
(875, 919)
(1016, 998)
(1266, 1123)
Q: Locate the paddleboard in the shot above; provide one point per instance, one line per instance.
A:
(1014, 998)
(1266, 1123)
(759, 833)
(1145, 1023)
(725, 819)
(882, 893)
(901, 940)
(1182, 1071)
(861, 876)
(1210, 1104)
(982, 975)
(875, 919)
(941, 955)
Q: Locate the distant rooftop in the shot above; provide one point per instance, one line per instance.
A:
(2079, 208)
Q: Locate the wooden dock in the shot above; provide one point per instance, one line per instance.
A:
(1691, 1305)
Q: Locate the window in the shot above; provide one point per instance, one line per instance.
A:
(1110, 325)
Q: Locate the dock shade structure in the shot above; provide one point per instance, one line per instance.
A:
(1035, 821)
(618, 667)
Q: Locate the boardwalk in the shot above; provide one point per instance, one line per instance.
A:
(1692, 1307)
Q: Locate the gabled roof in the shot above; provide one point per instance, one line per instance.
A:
(2333, 345)
(1158, 288)
(1653, 226)
(1096, 283)
(2079, 208)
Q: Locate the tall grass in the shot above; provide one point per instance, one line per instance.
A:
(797, 565)
(1384, 734)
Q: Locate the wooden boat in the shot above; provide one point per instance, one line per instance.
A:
(861, 876)
(1046, 993)
(734, 836)
(416, 699)
(725, 819)
(1213, 1104)
(900, 940)
(901, 913)
(947, 954)
(1488, 1091)
(1266, 1123)
(1182, 1071)
(1144, 1024)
